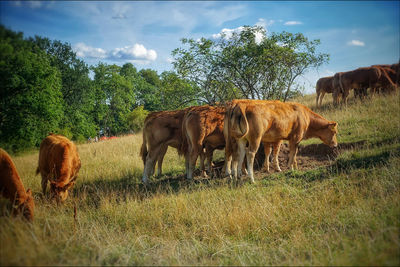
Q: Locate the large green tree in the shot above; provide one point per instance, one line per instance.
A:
(247, 64)
(31, 103)
(78, 92)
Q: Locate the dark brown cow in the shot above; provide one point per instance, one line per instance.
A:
(202, 128)
(389, 79)
(161, 129)
(360, 80)
(323, 86)
(337, 93)
(11, 187)
(255, 121)
(59, 163)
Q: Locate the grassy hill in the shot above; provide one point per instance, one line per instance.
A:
(342, 210)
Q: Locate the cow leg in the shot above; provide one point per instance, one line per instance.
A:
(194, 152)
(44, 184)
(251, 153)
(321, 97)
(150, 163)
(293, 147)
(202, 165)
(344, 96)
(230, 147)
(161, 156)
(277, 148)
(267, 151)
(335, 96)
(238, 153)
(209, 156)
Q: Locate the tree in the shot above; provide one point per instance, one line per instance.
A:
(247, 64)
(31, 102)
(78, 92)
(115, 98)
(175, 93)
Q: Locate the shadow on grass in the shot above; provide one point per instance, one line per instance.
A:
(344, 166)
(130, 186)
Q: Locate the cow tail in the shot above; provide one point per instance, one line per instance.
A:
(143, 149)
(318, 91)
(240, 125)
(341, 84)
(184, 147)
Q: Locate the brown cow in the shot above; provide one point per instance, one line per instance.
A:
(161, 129)
(337, 89)
(202, 127)
(255, 121)
(59, 163)
(11, 187)
(323, 86)
(359, 79)
(389, 79)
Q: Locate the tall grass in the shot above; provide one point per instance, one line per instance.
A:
(343, 214)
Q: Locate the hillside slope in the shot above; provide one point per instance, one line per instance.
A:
(337, 210)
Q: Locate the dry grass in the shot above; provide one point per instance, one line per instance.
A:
(345, 214)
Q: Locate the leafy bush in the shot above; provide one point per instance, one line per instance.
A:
(136, 118)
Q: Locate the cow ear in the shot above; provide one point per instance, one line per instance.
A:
(29, 192)
(333, 124)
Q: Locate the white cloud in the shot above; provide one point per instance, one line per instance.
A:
(292, 22)
(137, 52)
(227, 33)
(83, 50)
(264, 23)
(356, 43)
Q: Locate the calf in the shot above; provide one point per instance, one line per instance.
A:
(161, 129)
(270, 122)
(323, 86)
(59, 163)
(11, 187)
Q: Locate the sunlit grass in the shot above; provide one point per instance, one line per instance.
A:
(343, 214)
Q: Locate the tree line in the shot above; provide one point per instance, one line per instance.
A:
(46, 88)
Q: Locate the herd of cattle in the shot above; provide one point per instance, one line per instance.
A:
(378, 78)
(239, 126)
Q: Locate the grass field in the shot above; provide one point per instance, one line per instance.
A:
(345, 212)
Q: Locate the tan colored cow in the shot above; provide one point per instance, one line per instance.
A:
(161, 129)
(323, 86)
(202, 127)
(254, 121)
(59, 163)
(11, 187)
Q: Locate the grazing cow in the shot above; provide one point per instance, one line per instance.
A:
(270, 122)
(360, 79)
(11, 187)
(202, 127)
(389, 79)
(161, 129)
(324, 85)
(59, 163)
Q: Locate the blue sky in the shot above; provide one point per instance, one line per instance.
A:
(355, 34)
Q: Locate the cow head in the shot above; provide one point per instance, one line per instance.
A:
(59, 192)
(27, 206)
(328, 134)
